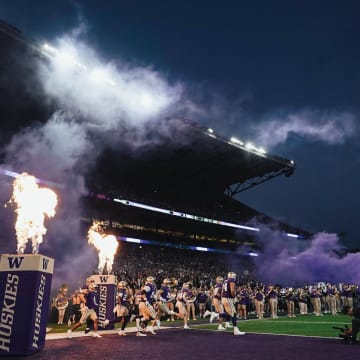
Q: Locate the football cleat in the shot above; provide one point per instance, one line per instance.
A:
(151, 330)
(69, 334)
(238, 332)
(105, 323)
(221, 328)
(140, 333)
(213, 316)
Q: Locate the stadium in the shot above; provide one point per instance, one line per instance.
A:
(165, 200)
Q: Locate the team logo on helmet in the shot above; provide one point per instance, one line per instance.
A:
(231, 275)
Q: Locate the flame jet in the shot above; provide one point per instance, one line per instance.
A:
(106, 245)
(33, 204)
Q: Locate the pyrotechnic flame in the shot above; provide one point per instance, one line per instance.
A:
(33, 203)
(106, 245)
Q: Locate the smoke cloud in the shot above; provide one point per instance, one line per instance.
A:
(95, 103)
(289, 261)
(330, 128)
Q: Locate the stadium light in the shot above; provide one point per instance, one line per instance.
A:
(50, 49)
(261, 150)
(293, 235)
(211, 131)
(236, 141)
(200, 248)
(250, 146)
(180, 214)
(132, 240)
(64, 57)
(183, 247)
(14, 175)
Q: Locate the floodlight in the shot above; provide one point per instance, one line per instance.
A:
(236, 141)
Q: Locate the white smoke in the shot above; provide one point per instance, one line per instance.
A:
(53, 148)
(331, 128)
(96, 102)
(104, 93)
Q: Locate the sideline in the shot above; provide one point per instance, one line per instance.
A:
(81, 333)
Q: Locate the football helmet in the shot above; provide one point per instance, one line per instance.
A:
(122, 284)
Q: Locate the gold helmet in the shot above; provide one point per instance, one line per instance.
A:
(231, 275)
(91, 284)
(219, 279)
(150, 279)
(166, 281)
(122, 284)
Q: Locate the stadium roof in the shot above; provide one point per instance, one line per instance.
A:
(193, 160)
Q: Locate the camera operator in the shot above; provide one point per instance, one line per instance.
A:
(355, 324)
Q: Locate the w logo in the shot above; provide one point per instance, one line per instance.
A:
(103, 279)
(15, 262)
(45, 263)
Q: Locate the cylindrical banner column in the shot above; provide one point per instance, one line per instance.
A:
(106, 287)
(25, 284)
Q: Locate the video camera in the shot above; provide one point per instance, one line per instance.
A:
(346, 333)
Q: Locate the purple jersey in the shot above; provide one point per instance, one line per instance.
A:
(165, 293)
(184, 294)
(273, 294)
(226, 291)
(150, 292)
(217, 290)
(92, 300)
(259, 296)
(315, 294)
(243, 297)
(122, 297)
(201, 297)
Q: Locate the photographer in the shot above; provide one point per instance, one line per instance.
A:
(355, 313)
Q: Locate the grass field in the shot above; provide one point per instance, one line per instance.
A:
(301, 325)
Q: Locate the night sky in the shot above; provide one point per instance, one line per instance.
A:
(283, 74)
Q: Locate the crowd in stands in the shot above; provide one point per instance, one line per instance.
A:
(135, 262)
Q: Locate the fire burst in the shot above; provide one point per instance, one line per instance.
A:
(106, 245)
(33, 203)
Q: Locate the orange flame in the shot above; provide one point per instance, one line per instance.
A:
(33, 203)
(106, 245)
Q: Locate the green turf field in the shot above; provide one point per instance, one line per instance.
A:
(308, 325)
